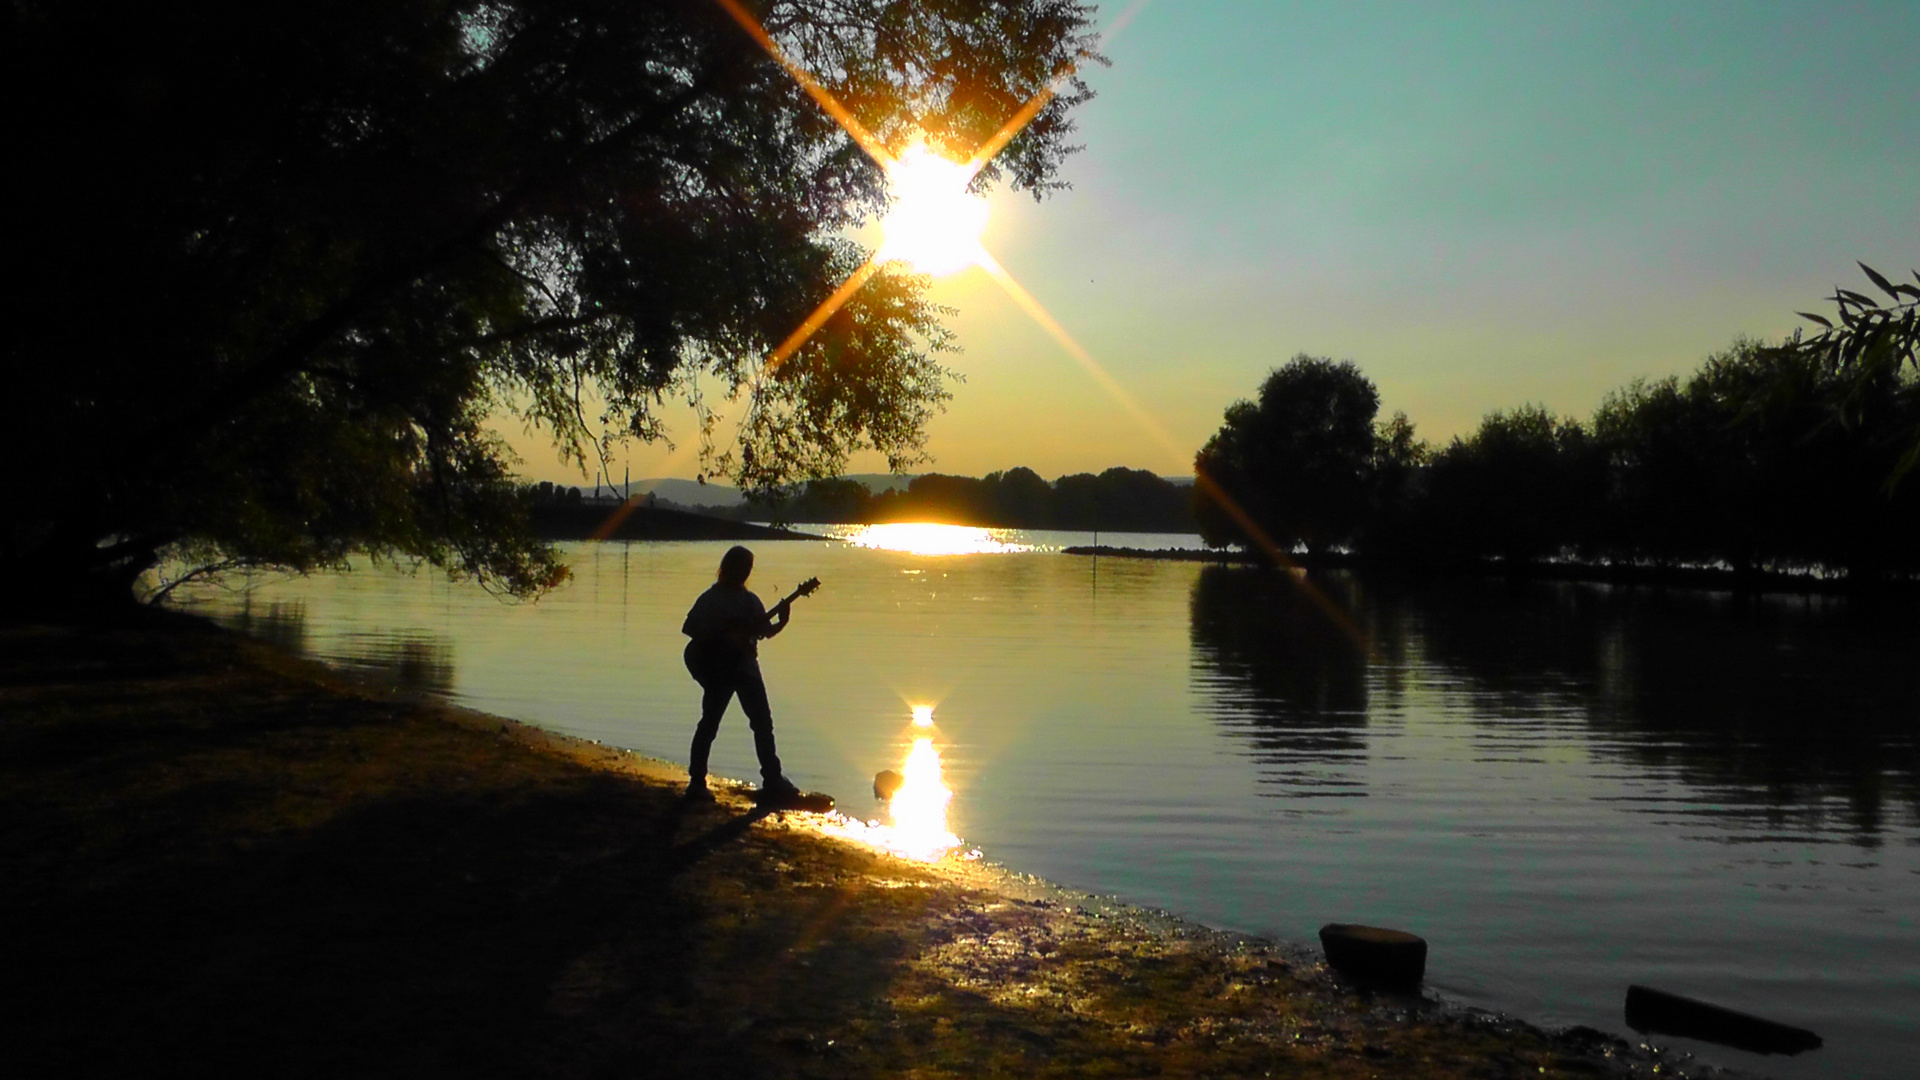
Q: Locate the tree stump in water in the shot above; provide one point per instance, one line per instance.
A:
(1670, 1014)
(1374, 956)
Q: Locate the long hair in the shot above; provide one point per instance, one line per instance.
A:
(735, 565)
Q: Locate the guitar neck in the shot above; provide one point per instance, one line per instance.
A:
(806, 589)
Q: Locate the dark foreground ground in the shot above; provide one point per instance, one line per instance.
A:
(223, 861)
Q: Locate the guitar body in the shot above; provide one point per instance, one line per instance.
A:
(711, 661)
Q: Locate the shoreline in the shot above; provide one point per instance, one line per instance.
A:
(234, 858)
(1678, 577)
(638, 521)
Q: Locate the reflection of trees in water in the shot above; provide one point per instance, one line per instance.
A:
(1793, 713)
(1778, 706)
(1274, 669)
(412, 660)
(281, 623)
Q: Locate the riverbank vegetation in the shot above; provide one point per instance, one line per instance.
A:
(227, 861)
(1790, 457)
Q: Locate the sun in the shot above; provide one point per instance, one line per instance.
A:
(934, 225)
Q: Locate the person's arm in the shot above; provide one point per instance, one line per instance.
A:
(782, 611)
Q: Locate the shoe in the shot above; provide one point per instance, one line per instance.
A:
(776, 791)
(698, 793)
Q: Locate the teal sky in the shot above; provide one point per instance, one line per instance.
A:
(1480, 204)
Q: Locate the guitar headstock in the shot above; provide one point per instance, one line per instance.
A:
(808, 587)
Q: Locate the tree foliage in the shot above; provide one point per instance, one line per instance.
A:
(1782, 456)
(283, 262)
(1871, 354)
(1742, 463)
(1298, 461)
(1521, 487)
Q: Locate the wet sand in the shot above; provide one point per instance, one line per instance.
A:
(225, 859)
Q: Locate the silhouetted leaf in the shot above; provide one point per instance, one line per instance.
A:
(1815, 318)
(1858, 298)
(1885, 285)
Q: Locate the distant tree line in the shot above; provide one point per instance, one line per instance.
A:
(1129, 500)
(546, 493)
(1768, 457)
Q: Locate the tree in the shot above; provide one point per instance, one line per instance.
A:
(1020, 498)
(1873, 352)
(284, 261)
(1700, 472)
(1526, 484)
(1298, 461)
(1400, 469)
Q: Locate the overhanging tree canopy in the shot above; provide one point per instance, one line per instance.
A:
(281, 261)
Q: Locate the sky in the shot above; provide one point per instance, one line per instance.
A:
(1480, 204)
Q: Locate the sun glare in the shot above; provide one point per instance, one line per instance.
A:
(917, 538)
(916, 825)
(934, 225)
(919, 808)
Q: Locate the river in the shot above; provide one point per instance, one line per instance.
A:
(1565, 788)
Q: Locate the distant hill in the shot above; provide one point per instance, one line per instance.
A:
(691, 493)
(720, 496)
(878, 482)
(582, 521)
(687, 492)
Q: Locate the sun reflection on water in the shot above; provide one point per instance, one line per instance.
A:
(919, 538)
(917, 826)
(919, 808)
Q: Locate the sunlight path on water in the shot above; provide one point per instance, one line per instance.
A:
(918, 809)
(924, 539)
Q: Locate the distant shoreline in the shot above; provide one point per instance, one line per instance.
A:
(1685, 577)
(584, 521)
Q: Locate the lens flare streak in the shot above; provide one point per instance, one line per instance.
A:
(946, 248)
(820, 94)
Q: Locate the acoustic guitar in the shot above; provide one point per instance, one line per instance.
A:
(710, 659)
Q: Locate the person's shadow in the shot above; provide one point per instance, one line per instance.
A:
(683, 855)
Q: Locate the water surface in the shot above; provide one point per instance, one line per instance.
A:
(1564, 787)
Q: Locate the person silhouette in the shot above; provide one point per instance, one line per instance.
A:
(726, 625)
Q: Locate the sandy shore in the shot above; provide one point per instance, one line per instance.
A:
(228, 860)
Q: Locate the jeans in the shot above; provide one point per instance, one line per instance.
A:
(742, 679)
